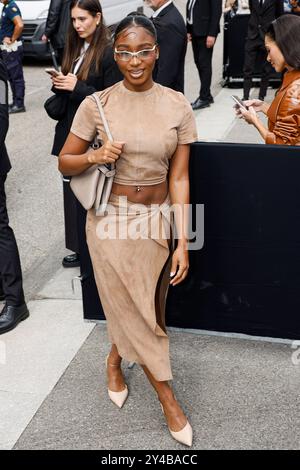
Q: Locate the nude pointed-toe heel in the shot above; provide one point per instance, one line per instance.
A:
(118, 398)
(184, 436)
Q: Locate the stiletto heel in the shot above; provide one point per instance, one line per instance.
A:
(184, 436)
(118, 398)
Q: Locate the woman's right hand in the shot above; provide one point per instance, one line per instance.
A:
(108, 153)
(257, 105)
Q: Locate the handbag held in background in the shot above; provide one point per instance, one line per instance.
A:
(56, 106)
(92, 188)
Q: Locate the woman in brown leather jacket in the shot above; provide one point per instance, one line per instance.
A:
(282, 42)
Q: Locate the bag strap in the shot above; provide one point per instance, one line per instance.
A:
(101, 111)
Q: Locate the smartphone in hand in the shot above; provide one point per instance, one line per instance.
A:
(239, 102)
(52, 71)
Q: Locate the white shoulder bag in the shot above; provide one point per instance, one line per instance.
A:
(92, 188)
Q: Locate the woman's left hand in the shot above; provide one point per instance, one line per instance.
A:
(65, 82)
(250, 115)
(180, 265)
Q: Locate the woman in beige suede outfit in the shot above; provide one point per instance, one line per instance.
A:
(152, 127)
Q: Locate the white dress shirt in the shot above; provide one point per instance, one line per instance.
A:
(191, 4)
(80, 59)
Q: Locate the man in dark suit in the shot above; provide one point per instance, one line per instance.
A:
(203, 26)
(15, 309)
(172, 41)
(57, 25)
(262, 13)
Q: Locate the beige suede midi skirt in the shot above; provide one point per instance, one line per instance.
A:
(130, 248)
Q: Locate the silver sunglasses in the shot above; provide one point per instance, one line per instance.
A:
(143, 54)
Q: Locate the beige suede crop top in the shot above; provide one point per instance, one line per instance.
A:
(151, 123)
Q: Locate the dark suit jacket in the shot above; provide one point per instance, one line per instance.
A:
(172, 41)
(57, 22)
(4, 160)
(260, 18)
(108, 75)
(206, 18)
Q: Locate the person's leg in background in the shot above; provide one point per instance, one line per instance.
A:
(2, 296)
(7, 59)
(18, 79)
(15, 309)
(13, 61)
(71, 226)
(203, 61)
(11, 82)
(266, 72)
(251, 49)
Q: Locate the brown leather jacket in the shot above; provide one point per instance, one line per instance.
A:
(284, 112)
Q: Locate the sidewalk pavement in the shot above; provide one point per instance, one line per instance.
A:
(239, 392)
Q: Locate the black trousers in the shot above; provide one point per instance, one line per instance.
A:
(10, 266)
(13, 62)
(70, 213)
(203, 61)
(255, 49)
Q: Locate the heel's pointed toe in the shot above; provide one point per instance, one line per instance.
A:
(184, 436)
(118, 398)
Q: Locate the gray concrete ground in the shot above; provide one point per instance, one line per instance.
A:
(239, 393)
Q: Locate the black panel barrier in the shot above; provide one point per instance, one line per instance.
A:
(246, 278)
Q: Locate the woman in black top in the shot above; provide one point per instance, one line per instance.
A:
(88, 66)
